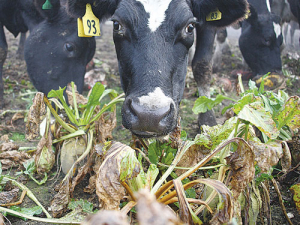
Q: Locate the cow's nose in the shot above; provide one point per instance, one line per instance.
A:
(148, 121)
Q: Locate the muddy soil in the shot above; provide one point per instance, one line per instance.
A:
(19, 93)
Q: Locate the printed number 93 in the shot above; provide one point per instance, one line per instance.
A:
(91, 24)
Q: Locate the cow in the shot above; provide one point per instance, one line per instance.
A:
(295, 8)
(261, 39)
(152, 39)
(282, 9)
(53, 52)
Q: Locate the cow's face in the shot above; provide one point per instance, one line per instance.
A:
(152, 39)
(54, 53)
(152, 43)
(260, 43)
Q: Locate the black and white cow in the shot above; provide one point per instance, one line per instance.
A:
(152, 39)
(282, 8)
(54, 53)
(295, 8)
(261, 38)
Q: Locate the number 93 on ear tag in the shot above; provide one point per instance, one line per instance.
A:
(215, 15)
(89, 25)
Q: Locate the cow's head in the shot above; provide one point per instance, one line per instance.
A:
(260, 42)
(152, 39)
(54, 53)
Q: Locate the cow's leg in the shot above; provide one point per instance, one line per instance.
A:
(3, 53)
(201, 66)
(221, 46)
(20, 52)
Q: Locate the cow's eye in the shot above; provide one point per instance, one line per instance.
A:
(267, 42)
(69, 47)
(117, 26)
(190, 28)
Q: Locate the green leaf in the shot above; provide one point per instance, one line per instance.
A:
(151, 175)
(36, 210)
(84, 204)
(290, 115)
(203, 104)
(256, 114)
(60, 95)
(153, 153)
(247, 99)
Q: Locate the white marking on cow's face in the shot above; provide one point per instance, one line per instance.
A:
(277, 29)
(268, 5)
(156, 10)
(155, 100)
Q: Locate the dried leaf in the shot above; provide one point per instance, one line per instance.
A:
(36, 111)
(45, 156)
(286, 160)
(9, 196)
(267, 155)
(296, 191)
(8, 146)
(105, 125)
(191, 157)
(150, 212)
(243, 171)
(108, 187)
(61, 199)
(80, 99)
(17, 116)
(13, 158)
(107, 217)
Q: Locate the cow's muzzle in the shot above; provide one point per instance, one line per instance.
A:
(145, 122)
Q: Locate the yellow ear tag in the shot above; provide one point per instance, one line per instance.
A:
(91, 24)
(215, 15)
(80, 28)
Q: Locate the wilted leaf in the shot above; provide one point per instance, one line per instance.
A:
(267, 155)
(61, 199)
(150, 212)
(290, 115)
(36, 111)
(296, 191)
(286, 160)
(256, 114)
(108, 187)
(108, 217)
(44, 157)
(9, 196)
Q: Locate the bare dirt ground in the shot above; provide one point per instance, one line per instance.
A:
(18, 97)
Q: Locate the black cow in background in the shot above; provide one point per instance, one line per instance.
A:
(54, 53)
(152, 39)
(261, 39)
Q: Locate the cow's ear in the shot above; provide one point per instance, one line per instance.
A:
(47, 8)
(231, 11)
(101, 8)
(252, 17)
